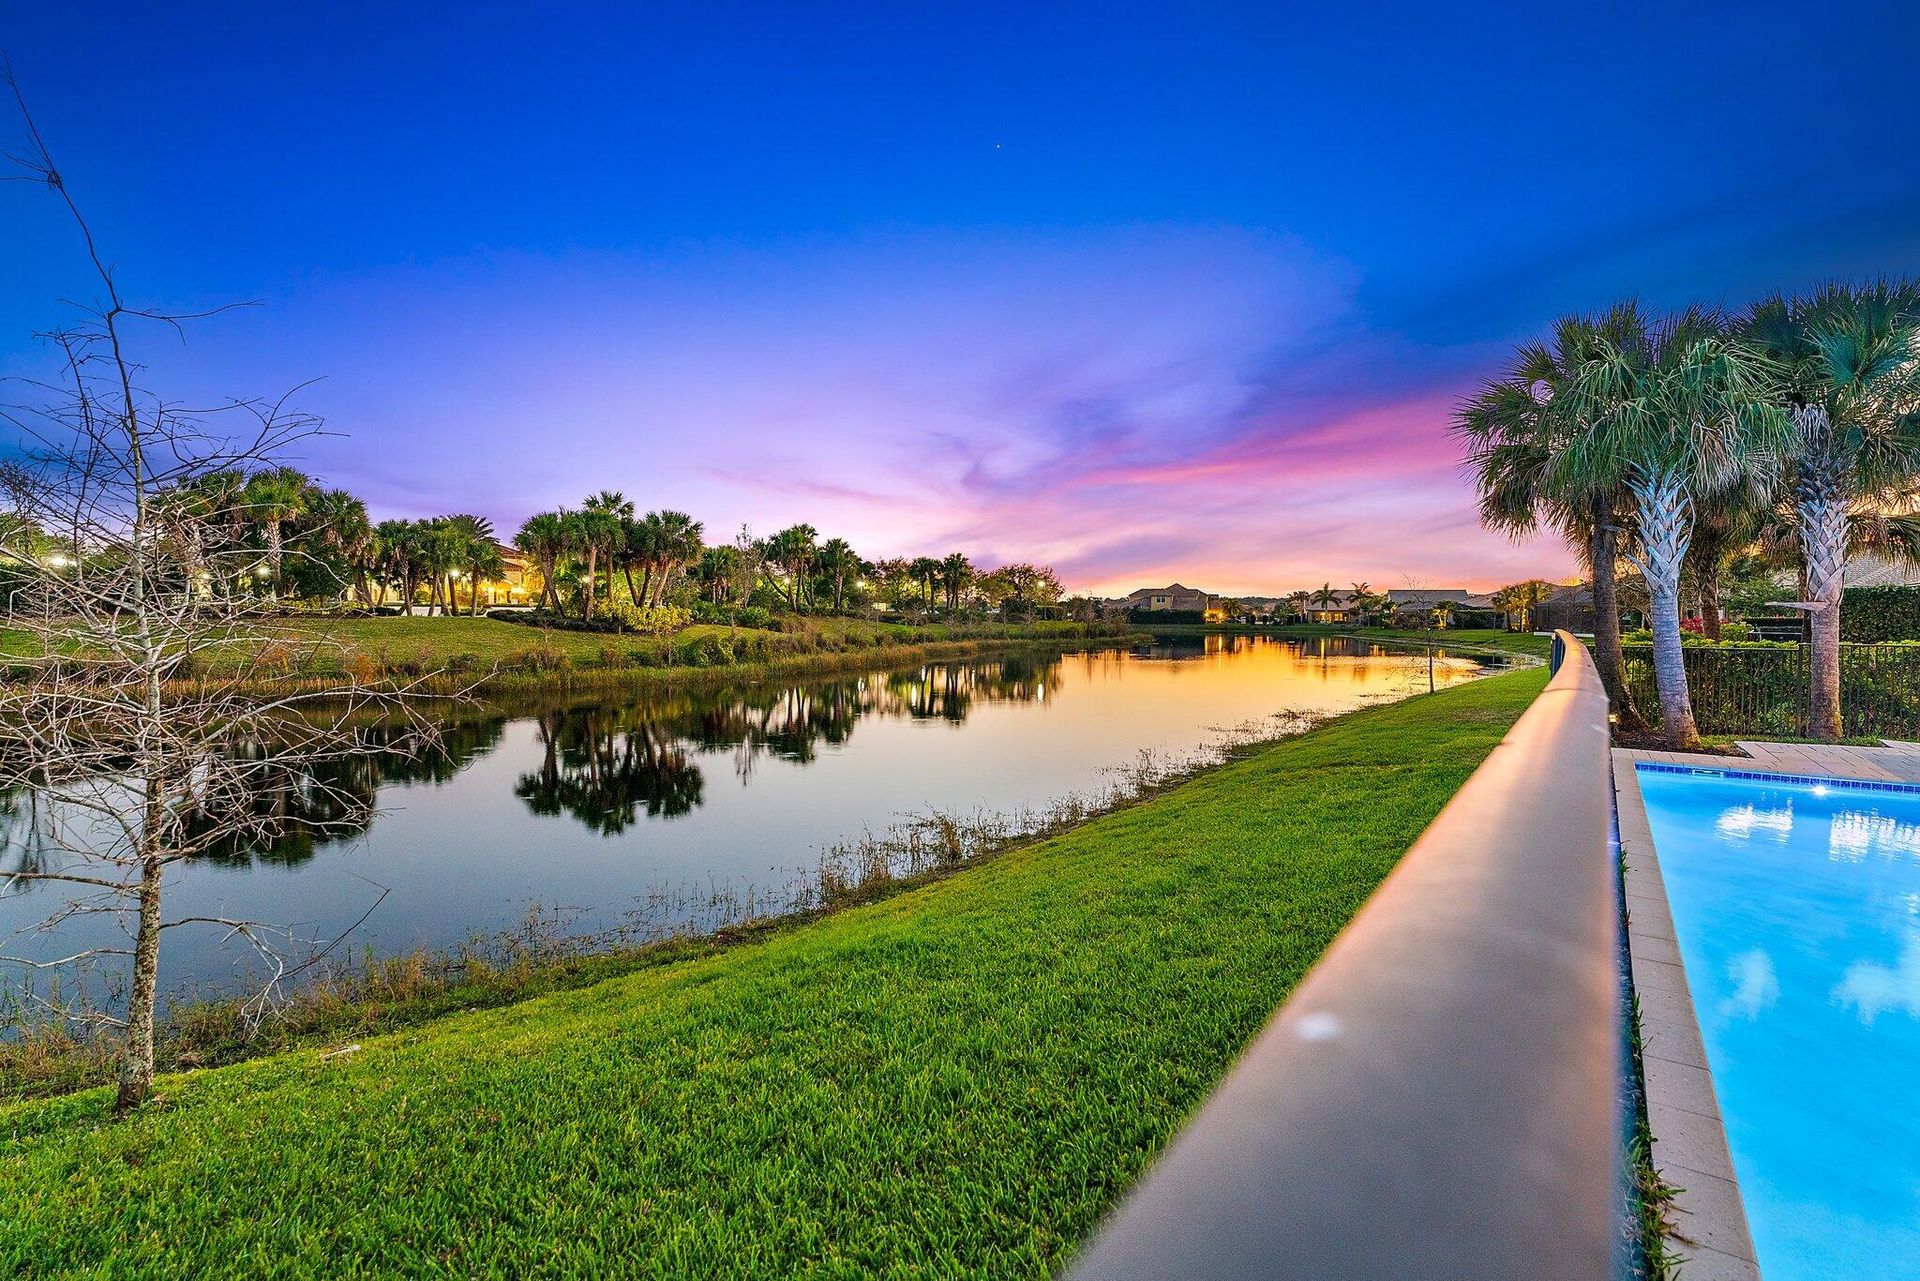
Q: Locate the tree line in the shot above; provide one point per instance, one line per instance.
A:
(279, 533)
(1675, 443)
(585, 555)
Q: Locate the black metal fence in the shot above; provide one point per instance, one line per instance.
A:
(1764, 690)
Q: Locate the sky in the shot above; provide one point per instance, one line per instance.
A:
(1141, 292)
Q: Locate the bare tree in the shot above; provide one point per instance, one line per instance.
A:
(144, 711)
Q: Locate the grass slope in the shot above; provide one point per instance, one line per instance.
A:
(956, 1081)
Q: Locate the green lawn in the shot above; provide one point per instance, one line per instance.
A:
(956, 1081)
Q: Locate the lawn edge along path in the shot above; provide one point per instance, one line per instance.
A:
(955, 1081)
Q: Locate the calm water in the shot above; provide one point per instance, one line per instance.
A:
(653, 812)
(1798, 914)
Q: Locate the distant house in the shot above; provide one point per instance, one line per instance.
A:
(1417, 598)
(1335, 612)
(1871, 569)
(1172, 599)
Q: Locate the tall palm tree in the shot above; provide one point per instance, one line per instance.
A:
(1299, 601)
(956, 571)
(475, 552)
(595, 530)
(440, 551)
(1846, 375)
(925, 571)
(639, 546)
(794, 549)
(398, 547)
(678, 542)
(1513, 428)
(273, 498)
(339, 521)
(194, 513)
(543, 537)
(1677, 414)
(839, 562)
(1324, 596)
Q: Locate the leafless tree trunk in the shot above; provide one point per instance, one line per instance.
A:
(130, 751)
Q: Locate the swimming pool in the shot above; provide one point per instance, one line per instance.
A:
(1797, 908)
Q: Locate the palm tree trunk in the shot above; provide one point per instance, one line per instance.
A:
(1666, 525)
(1708, 587)
(1819, 499)
(593, 568)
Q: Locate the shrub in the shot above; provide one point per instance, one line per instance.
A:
(1880, 614)
(643, 620)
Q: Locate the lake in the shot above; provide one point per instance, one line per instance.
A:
(639, 815)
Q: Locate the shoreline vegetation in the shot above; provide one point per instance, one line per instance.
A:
(487, 657)
(1036, 1029)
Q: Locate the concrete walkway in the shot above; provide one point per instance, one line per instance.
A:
(1893, 762)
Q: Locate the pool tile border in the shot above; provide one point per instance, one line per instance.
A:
(1689, 1137)
(1852, 784)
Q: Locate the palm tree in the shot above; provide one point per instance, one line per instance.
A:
(1845, 364)
(1299, 601)
(1325, 597)
(715, 572)
(398, 547)
(438, 553)
(543, 537)
(1363, 602)
(956, 571)
(1677, 413)
(925, 571)
(1514, 428)
(839, 562)
(595, 531)
(794, 549)
(274, 497)
(190, 512)
(340, 522)
(679, 540)
(476, 552)
(639, 545)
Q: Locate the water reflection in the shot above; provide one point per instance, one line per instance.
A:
(735, 787)
(604, 766)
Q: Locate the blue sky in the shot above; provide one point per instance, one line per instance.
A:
(1143, 292)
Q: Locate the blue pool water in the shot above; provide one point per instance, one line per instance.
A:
(1797, 907)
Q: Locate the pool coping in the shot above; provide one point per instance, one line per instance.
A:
(1690, 1148)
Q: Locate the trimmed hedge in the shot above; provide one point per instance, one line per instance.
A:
(1869, 614)
(1170, 617)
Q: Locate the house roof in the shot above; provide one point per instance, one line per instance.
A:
(1872, 570)
(1438, 595)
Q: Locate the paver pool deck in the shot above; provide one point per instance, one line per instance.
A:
(1689, 1139)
